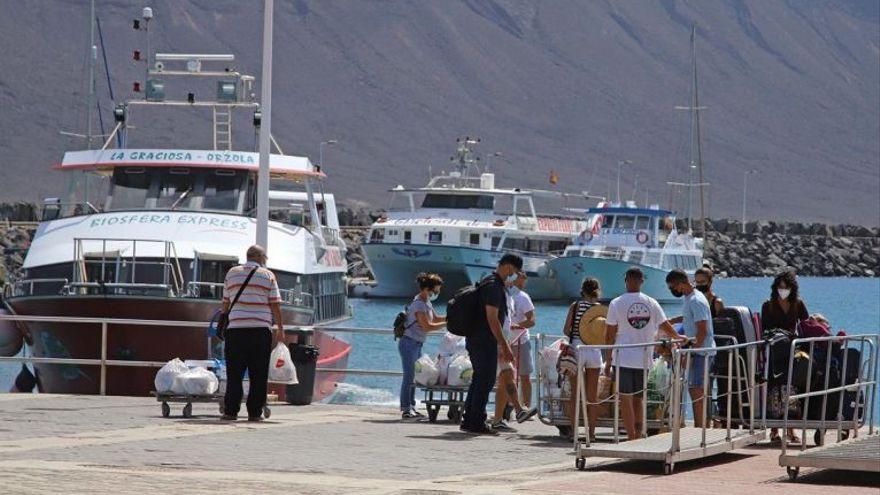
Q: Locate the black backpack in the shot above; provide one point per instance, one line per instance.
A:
(464, 310)
(780, 349)
(400, 325)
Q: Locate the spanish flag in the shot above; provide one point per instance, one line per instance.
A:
(554, 177)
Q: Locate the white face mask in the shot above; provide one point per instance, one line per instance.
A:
(512, 290)
(783, 293)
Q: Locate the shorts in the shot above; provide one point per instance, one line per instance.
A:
(695, 373)
(502, 366)
(524, 359)
(632, 380)
(591, 358)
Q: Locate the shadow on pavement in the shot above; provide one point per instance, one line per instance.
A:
(831, 477)
(655, 468)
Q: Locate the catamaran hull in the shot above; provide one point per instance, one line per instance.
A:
(140, 342)
(571, 272)
(395, 267)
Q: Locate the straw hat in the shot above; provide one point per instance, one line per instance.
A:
(592, 325)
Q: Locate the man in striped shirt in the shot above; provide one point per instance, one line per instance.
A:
(249, 336)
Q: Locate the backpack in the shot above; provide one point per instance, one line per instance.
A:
(400, 325)
(780, 348)
(464, 309)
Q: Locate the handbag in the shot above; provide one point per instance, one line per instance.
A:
(223, 319)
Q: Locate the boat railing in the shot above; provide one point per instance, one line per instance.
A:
(114, 261)
(55, 209)
(332, 236)
(26, 286)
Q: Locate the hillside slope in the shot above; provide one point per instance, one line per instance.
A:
(792, 90)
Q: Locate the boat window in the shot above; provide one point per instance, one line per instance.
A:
(435, 237)
(607, 221)
(496, 240)
(130, 187)
(176, 187)
(643, 223)
(377, 235)
(407, 236)
(635, 257)
(475, 239)
(625, 222)
(221, 190)
(458, 201)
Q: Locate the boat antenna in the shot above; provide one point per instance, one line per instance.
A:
(465, 157)
(265, 129)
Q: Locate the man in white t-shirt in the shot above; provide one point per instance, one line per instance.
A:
(523, 319)
(633, 318)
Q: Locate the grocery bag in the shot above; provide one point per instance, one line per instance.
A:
(199, 381)
(461, 371)
(427, 372)
(281, 368)
(164, 380)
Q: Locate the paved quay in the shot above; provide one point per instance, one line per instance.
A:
(89, 444)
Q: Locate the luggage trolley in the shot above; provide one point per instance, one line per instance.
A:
(853, 366)
(551, 409)
(682, 443)
(437, 396)
(859, 453)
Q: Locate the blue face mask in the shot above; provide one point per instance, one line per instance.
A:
(433, 296)
(512, 290)
(513, 277)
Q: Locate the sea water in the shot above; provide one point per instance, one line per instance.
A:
(850, 304)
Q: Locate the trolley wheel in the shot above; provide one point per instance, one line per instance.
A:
(819, 438)
(188, 410)
(581, 463)
(432, 413)
(267, 412)
(668, 468)
(844, 435)
(166, 410)
(454, 414)
(792, 472)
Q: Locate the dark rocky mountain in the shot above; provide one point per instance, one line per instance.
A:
(792, 90)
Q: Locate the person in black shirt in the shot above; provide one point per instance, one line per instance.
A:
(485, 343)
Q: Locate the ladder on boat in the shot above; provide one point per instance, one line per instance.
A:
(222, 128)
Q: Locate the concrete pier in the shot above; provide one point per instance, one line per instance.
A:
(90, 444)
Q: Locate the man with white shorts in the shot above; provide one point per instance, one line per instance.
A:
(523, 319)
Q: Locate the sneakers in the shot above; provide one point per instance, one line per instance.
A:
(502, 427)
(256, 418)
(229, 417)
(480, 430)
(409, 415)
(526, 414)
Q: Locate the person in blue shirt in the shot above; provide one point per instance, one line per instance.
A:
(696, 320)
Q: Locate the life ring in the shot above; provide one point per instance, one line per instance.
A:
(499, 223)
(585, 236)
(642, 237)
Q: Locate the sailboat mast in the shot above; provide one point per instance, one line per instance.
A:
(93, 57)
(265, 129)
(699, 144)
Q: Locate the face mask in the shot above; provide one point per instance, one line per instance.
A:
(433, 296)
(512, 290)
(675, 292)
(512, 278)
(783, 293)
(703, 288)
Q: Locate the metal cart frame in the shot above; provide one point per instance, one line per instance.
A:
(856, 453)
(449, 396)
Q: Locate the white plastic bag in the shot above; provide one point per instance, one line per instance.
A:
(164, 380)
(199, 381)
(281, 368)
(451, 345)
(427, 373)
(443, 363)
(461, 371)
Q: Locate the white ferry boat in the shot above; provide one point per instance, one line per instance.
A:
(460, 225)
(623, 236)
(149, 234)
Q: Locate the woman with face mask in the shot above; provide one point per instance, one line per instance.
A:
(783, 310)
(703, 283)
(420, 319)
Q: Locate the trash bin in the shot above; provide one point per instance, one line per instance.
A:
(305, 358)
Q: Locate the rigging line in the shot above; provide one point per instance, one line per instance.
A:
(107, 74)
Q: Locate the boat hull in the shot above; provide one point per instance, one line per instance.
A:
(571, 271)
(395, 267)
(138, 342)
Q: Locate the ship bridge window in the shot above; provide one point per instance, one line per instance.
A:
(222, 190)
(625, 222)
(643, 223)
(129, 189)
(458, 201)
(377, 235)
(176, 189)
(607, 221)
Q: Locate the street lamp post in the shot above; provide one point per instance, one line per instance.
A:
(321, 151)
(620, 164)
(746, 175)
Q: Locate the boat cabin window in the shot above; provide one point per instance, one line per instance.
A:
(643, 223)
(625, 222)
(475, 239)
(377, 235)
(176, 189)
(607, 221)
(407, 236)
(496, 240)
(435, 237)
(130, 188)
(222, 190)
(458, 201)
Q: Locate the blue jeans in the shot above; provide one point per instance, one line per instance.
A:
(484, 358)
(410, 350)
